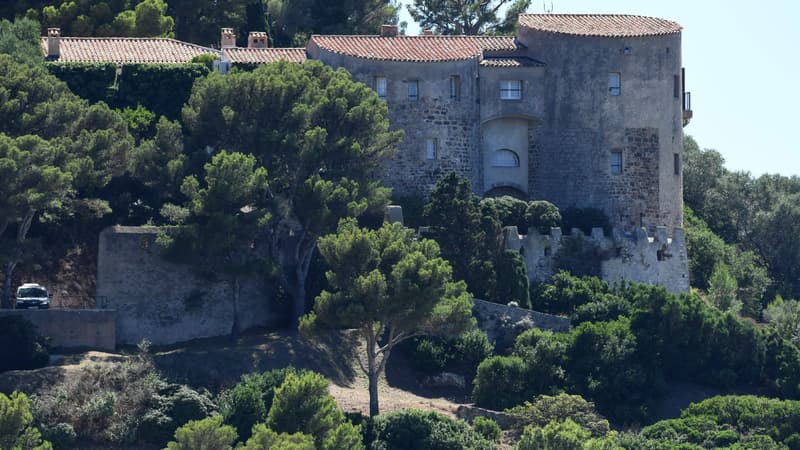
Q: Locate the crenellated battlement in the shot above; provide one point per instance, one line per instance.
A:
(622, 255)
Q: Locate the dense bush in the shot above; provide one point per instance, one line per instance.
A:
(512, 280)
(529, 217)
(463, 354)
(103, 403)
(488, 428)
(501, 382)
(545, 409)
(250, 400)
(16, 431)
(206, 434)
(173, 406)
(566, 292)
(424, 430)
(23, 347)
(542, 216)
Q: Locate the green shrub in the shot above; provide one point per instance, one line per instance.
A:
(566, 435)
(512, 212)
(206, 434)
(488, 428)
(565, 292)
(206, 59)
(263, 438)
(431, 355)
(545, 409)
(302, 404)
(175, 405)
(512, 280)
(471, 348)
(62, 435)
(15, 421)
(500, 382)
(250, 400)
(542, 216)
(23, 347)
(428, 430)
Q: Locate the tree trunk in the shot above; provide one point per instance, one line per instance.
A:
(294, 249)
(22, 233)
(373, 373)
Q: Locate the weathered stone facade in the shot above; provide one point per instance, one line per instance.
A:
(637, 257)
(165, 302)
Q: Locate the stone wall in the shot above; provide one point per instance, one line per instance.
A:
(73, 329)
(166, 302)
(503, 323)
(627, 256)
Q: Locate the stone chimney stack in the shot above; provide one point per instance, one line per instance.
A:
(427, 32)
(53, 43)
(227, 39)
(257, 39)
(389, 30)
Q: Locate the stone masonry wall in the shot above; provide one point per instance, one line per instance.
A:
(166, 302)
(72, 329)
(637, 257)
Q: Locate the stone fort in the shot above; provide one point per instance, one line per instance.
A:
(578, 110)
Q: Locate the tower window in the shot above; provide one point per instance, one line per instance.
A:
(380, 86)
(431, 148)
(510, 89)
(616, 161)
(505, 158)
(413, 90)
(676, 161)
(614, 83)
(455, 87)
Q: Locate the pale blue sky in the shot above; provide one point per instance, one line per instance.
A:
(742, 62)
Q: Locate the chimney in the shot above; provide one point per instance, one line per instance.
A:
(427, 32)
(388, 30)
(257, 39)
(228, 39)
(53, 43)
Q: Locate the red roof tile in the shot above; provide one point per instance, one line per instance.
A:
(123, 50)
(264, 55)
(414, 48)
(603, 25)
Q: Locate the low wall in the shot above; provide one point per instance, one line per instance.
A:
(166, 302)
(503, 323)
(73, 329)
(629, 255)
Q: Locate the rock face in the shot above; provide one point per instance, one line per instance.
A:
(166, 302)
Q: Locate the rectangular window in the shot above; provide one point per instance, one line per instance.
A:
(510, 89)
(380, 87)
(455, 87)
(431, 148)
(614, 83)
(676, 161)
(616, 161)
(676, 86)
(413, 90)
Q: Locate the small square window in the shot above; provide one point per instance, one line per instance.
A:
(616, 161)
(380, 86)
(431, 148)
(455, 87)
(510, 89)
(413, 90)
(614, 83)
(676, 161)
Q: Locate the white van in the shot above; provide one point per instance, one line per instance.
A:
(32, 295)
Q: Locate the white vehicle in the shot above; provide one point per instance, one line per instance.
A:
(32, 295)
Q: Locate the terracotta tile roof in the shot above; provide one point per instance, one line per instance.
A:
(263, 55)
(415, 48)
(123, 50)
(603, 25)
(512, 61)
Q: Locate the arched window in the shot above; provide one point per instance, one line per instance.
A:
(505, 158)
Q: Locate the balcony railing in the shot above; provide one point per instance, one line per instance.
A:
(687, 107)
